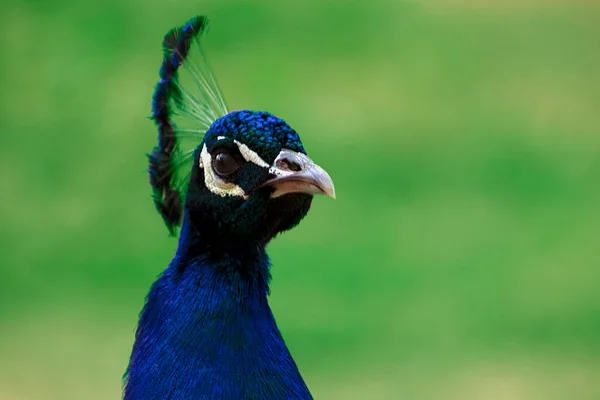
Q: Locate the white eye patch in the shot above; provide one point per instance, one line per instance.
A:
(217, 185)
(213, 182)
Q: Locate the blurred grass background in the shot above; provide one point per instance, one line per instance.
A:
(460, 260)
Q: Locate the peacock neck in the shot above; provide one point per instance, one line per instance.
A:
(207, 331)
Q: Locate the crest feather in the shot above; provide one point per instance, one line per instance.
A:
(182, 116)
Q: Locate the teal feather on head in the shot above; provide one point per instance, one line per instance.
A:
(196, 109)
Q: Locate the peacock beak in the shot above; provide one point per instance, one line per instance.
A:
(296, 173)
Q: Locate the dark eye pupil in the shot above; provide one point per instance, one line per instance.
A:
(225, 164)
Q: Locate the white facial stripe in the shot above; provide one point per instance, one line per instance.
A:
(213, 182)
(250, 155)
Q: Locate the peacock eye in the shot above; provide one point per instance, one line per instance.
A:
(224, 163)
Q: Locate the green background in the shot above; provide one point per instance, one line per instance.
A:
(459, 261)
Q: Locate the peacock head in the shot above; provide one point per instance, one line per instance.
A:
(251, 178)
(243, 176)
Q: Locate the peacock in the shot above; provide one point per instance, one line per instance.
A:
(226, 183)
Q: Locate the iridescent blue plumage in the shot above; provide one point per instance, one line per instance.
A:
(206, 330)
(258, 129)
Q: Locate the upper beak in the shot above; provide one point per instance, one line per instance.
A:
(296, 173)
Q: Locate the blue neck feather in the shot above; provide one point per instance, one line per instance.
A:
(207, 331)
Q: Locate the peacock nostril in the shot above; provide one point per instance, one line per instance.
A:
(288, 165)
